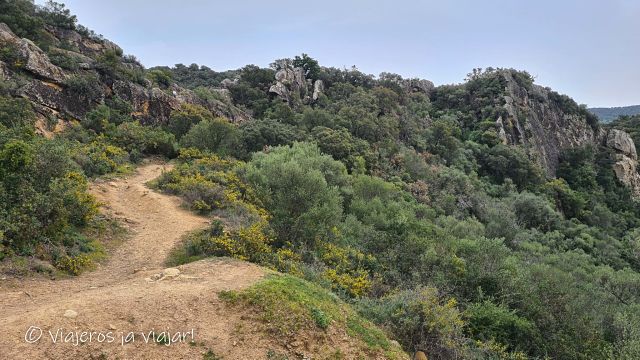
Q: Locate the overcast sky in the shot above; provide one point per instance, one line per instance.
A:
(587, 49)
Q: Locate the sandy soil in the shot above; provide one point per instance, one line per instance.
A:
(132, 292)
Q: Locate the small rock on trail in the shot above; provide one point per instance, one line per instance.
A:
(71, 314)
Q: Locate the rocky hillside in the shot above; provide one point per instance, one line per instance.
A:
(546, 125)
(87, 70)
(609, 114)
(490, 219)
(79, 72)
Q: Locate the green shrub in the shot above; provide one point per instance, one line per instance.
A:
(98, 158)
(216, 135)
(422, 319)
(297, 185)
(147, 140)
(84, 86)
(160, 78)
(491, 322)
(9, 54)
(189, 115)
(64, 61)
(16, 113)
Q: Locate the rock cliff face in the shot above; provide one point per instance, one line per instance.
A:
(292, 86)
(537, 122)
(46, 85)
(626, 159)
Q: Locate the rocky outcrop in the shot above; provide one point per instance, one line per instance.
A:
(622, 143)
(47, 88)
(292, 86)
(154, 106)
(51, 99)
(318, 89)
(282, 91)
(416, 85)
(30, 57)
(532, 120)
(535, 122)
(89, 46)
(626, 159)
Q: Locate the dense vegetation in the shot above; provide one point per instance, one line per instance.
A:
(46, 211)
(402, 202)
(630, 124)
(407, 205)
(607, 115)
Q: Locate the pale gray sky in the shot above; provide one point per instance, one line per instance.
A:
(587, 49)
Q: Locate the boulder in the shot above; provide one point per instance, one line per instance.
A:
(318, 88)
(227, 83)
(170, 273)
(290, 83)
(31, 57)
(419, 85)
(621, 142)
(626, 159)
(626, 170)
(71, 314)
(281, 90)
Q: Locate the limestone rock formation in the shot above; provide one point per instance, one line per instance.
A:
(91, 47)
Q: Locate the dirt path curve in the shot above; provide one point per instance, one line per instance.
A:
(131, 292)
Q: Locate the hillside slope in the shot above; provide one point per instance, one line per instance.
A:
(490, 219)
(132, 292)
(607, 115)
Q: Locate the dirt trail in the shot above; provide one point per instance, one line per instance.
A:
(125, 295)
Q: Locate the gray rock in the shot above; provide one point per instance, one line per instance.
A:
(227, 83)
(542, 128)
(290, 83)
(4, 71)
(170, 273)
(34, 60)
(281, 90)
(318, 88)
(546, 132)
(621, 142)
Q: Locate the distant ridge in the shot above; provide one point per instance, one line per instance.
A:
(609, 114)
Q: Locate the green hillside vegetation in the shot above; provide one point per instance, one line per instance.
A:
(607, 115)
(630, 124)
(404, 204)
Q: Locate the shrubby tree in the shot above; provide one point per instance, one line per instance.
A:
(189, 115)
(216, 135)
(300, 188)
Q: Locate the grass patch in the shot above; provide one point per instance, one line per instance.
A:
(186, 251)
(288, 306)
